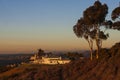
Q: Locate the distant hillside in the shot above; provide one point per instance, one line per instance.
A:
(7, 59)
(107, 67)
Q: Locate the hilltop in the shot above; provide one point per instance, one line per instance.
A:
(107, 67)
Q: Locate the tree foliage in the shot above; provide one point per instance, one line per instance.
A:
(116, 17)
(40, 53)
(115, 13)
(95, 14)
(89, 26)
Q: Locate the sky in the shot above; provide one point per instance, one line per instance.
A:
(27, 25)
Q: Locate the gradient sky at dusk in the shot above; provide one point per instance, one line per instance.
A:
(26, 25)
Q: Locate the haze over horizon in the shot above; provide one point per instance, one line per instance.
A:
(27, 25)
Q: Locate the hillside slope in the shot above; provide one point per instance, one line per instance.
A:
(107, 67)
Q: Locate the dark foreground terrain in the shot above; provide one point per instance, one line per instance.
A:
(107, 67)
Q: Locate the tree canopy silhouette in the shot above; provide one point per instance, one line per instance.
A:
(89, 26)
(82, 30)
(40, 53)
(116, 17)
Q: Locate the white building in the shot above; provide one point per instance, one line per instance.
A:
(49, 60)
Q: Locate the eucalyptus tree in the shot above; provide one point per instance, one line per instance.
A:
(83, 31)
(90, 25)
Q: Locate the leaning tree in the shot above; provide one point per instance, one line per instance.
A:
(90, 25)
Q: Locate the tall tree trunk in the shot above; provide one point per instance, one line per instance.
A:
(97, 41)
(90, 42)
(98, 49)
(91, 54)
